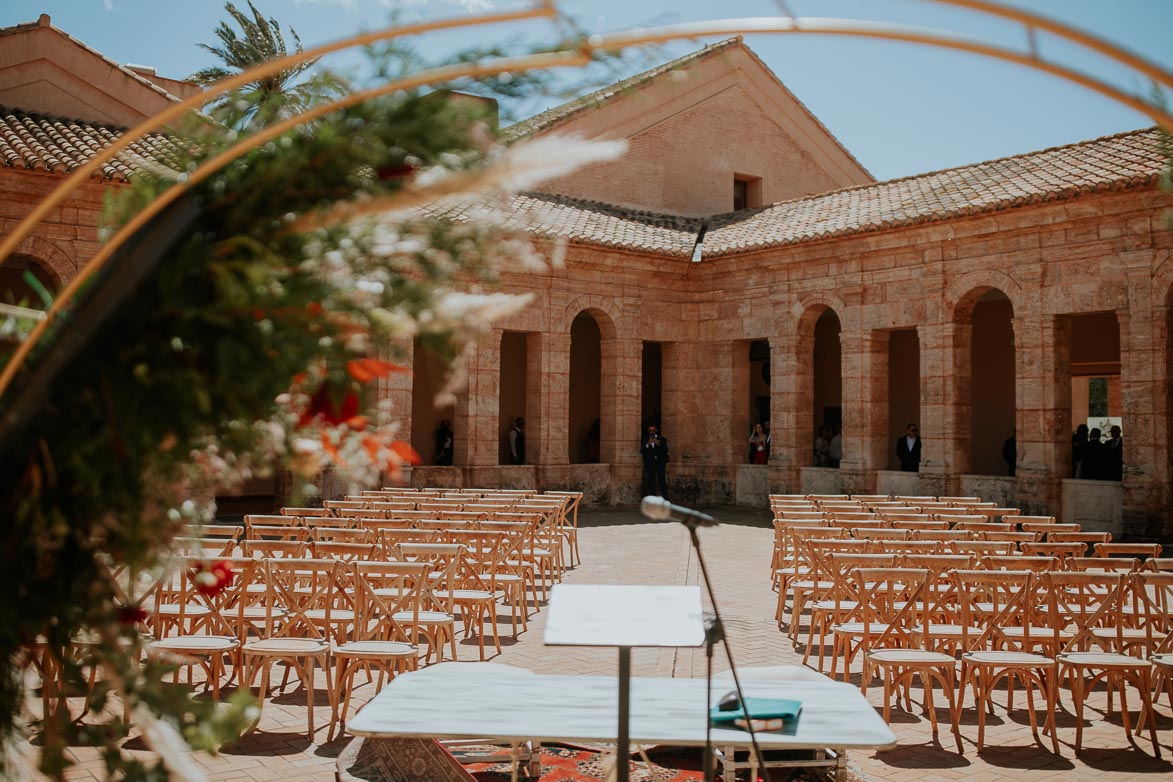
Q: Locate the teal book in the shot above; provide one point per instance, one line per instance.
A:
(759, 709)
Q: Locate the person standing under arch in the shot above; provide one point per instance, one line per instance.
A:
(655, 454)
(908, 449)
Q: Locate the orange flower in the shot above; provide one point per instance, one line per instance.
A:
(364, 370)
(211, 578)
(405, 452)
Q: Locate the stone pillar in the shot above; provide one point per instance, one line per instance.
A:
(620, 439)
(944, 392)
(791, 387)
(393, 398)
(535, 392)
(550, 446)
(478, 416)
(1042, 359)
(1142, 356)
(865, 408)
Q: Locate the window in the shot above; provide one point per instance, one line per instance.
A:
(747, 191)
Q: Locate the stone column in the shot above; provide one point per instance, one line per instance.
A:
(550, 446)
(394, 398)
(620, 439)
(791, 384)
(1042, 359)
(944, 392)
(865, 408)
(479, 418)
(1142, 366)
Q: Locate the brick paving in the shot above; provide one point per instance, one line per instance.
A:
(618, 547)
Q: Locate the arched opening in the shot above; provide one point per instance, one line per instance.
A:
(758, 400)
(992, 403)
(433, 434)
(903, 392)
(15, 287)
(652, 386)
(584, 433)
(513, 398)
(827, 412)
(1094, 352)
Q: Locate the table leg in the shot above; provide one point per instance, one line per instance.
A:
(841, 765)
(535, 759)
(623, 750)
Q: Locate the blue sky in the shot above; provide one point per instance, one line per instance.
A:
(901, 109)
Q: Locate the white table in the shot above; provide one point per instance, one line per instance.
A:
(466, 700)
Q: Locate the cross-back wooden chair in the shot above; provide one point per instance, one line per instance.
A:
(920, 526)
(336, 505)
(961, 500)
(868, 498)
(275, 549)
(386, 594)
(436, 621)
(897, 599)
(275, 532)
(301, 588)
(894, 516)
(222, 627)
(345, 551)
(307, 513)
(342, 535)
(568, 523)
(1087, 539)
(795, 561)
(837, 560)
(361, 513)
(1018, 538)
(1048, 529)
(1121, 565)
(1155, 588)
(943, 534)
(1036, 520)
(1060, 551)
(992, 602)
(1091, 603)
(472, 595)
(272, 520)
(904, 547)
(983, 526)
(229, 531)
(842, 516)
(881, 533)
(980, 548)
(1141, 550)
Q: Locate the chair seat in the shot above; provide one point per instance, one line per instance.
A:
(1127, 633)
(1015, 659)
(1101, 660)
(424, 618)
(857, 628)
(808, 585)
(191, 610)
(337, 615)
(951, 631)
(195, 644)
(376, 649)
(1162, 660)
(831, 605)
(1037, 633)
(465, 594)
(277, 646)
(910, 657)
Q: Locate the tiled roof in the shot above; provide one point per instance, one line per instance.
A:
(1126, 160)
(39, 143)
(592, 223)
(563, 112)
(1118, 162)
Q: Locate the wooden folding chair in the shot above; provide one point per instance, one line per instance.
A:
(837, 560)
(898, 599)
(920, 526)
(302, 588)
(1089, 601)
(306, 513)
(995, 601)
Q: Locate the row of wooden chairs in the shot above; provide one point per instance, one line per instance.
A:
(911, 622)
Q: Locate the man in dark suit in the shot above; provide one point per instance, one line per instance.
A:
(1115, 452)
(655, 453)
(908, 450)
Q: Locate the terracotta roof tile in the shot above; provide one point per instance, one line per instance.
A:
(40, 143)
(1125, 160)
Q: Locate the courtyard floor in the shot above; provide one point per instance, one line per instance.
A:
(620, 547)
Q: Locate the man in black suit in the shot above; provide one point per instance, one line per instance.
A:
(1115, 451)
(908, 450)
(655, 453)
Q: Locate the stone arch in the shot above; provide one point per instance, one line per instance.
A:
(966, 290)
(591, 390)
(817, 367)
(605, 312)
(52, 258)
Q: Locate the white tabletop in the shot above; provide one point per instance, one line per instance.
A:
(625, 615)
(466, 701)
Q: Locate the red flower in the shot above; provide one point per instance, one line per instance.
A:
(402, 171)
(364, 370)
(131, 615)
(211, 578)
(322, 406)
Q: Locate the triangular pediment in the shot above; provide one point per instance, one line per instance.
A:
(696, 125)
(43, 70)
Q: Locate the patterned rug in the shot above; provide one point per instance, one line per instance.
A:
(667, 764)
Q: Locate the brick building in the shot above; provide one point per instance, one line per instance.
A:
(739, 265)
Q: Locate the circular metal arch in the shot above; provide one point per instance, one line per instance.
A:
(575, 53)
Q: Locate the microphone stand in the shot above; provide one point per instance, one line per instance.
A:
(715, 633)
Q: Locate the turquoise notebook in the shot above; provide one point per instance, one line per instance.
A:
(760, 709)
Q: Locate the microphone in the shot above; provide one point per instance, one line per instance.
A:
(659, 509)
